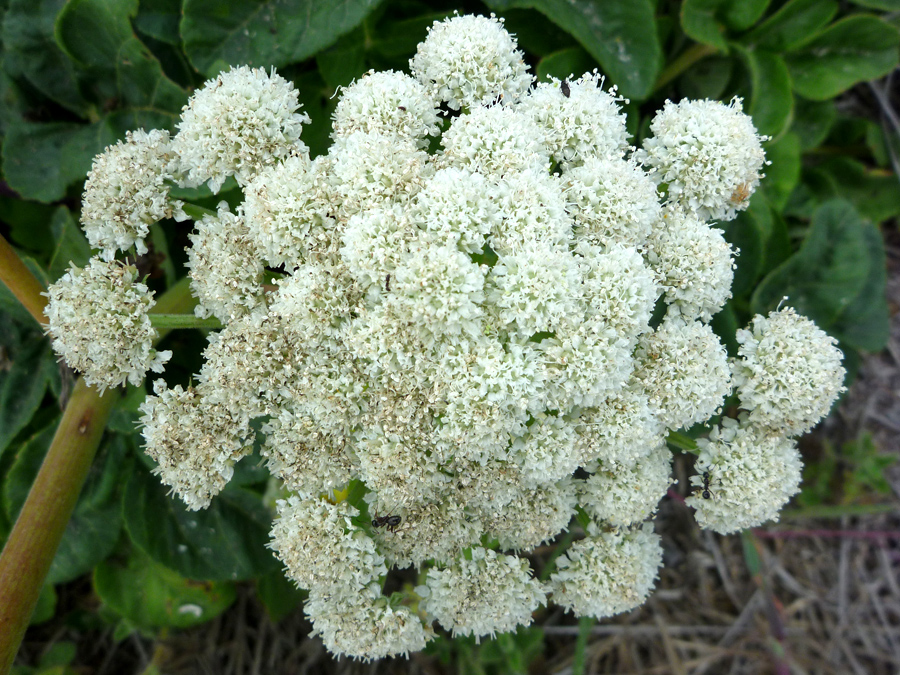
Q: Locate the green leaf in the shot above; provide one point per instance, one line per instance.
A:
(725, 325)
(745, 234)
(27, 462)
(836, 278)
(70, 244)
(887, 5)
(772, 102)
(45, 607)
(31, 51)
(265, 32)
(22, 387)
(741, 15)
(707, 78)
(621, 36)
(343, 62)
(700, 22)
(783, 174)
(92, 31)
(796, 22)
(98, 33)
(279, 595)
(226, 541)
(854, 49)
(874, 192)
(812, 121)
(151, 596)
(41, 160)
(159, 19)
(93, 530)
(565, 63)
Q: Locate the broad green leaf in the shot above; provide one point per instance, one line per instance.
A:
(22, 387)
(796, 22)
(874, 192)
(396, 39)
(32, 52)
(745, 234)
(159, 19)
(279, 595)
(725, 325)
(343, 62)
(151, 596)
(621, 36)
(41, 160)
(812, 121)
(70, 244)
(226, 541)
(700, 22)
(772, 102)
(707, 78)
(265, 32)
(783, 174)
(139, 77)
(563, 64)
(854, 49)
(92, 532)
(533, 33)
(865, 322)
(45, 607)
(887, 5)
(319, 105)
(27, 462)
(836, 278)
(741, 15)
(29, 224)
(142, 82)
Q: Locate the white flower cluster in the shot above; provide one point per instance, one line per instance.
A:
(457, 351)
(97, 317)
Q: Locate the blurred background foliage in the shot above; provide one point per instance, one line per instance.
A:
(815, 75)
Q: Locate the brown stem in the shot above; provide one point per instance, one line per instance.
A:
(23, 284)
(32, 544)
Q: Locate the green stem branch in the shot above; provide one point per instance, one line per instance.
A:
(182, 321)
(686, 59)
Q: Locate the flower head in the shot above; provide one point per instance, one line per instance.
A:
(752, 475)
(789, 372)
(98, 321)
(126, 192)
(469, 61)
(239, 123)
(708, 154)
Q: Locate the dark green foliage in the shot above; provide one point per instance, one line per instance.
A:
(77, 75)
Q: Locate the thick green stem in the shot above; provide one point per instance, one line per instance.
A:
(32, 544)
(35, 537)
(182, 321)
(23, 284)
(688, 58)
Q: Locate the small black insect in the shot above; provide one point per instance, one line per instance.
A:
(564, 88)
(387, 283)
(400, 107)
(390, 521)
(706, 494)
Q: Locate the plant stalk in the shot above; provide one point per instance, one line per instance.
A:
(23, 284)
(685, 60)
(32, 544)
